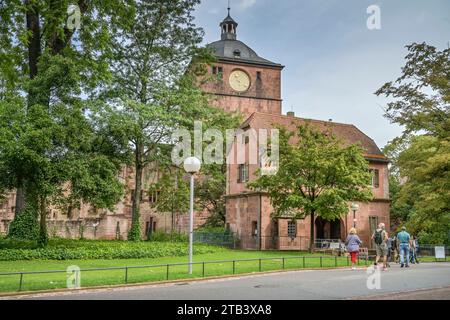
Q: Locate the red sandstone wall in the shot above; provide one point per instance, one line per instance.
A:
(263, 95)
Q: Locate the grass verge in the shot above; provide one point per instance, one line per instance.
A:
(213, 266)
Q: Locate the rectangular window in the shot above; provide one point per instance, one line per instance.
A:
(243, 173)
(217, 71)
(375, 177)
(254, 228)
(153, 197)
(275, 228)
(292, 229)
(258, 75)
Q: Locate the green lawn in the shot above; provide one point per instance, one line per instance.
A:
(432, 259)
(113, 277)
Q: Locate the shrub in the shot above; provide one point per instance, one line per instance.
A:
(161, 236)
(207, 229)
(25, 225)
(64, 249)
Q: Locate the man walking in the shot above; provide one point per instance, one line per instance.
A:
(403, 238)
(380, 238)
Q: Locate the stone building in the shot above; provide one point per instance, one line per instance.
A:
(251, 85)
(91, 223)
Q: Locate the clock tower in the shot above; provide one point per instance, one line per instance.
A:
(243, 81)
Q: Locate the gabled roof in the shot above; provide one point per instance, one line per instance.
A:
(348, 133)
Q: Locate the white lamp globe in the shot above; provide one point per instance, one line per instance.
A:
(192, 165)
(355, 206)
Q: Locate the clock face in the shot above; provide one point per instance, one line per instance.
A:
(239, 81)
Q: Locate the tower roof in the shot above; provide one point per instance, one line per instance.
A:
(229, 48)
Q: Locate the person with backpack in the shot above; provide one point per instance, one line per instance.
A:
(380, 238)
(353, 242)
(403, 238)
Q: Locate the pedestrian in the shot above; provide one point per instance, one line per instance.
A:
(353, 242)
(390, 251)
(413, 250)
(403, 238)
(395, 257)
(380, 237)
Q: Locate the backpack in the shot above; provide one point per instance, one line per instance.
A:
(378, 237)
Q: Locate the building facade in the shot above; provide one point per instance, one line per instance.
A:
(91, 223)
(251, 85)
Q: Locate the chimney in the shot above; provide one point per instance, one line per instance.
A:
(291, 114)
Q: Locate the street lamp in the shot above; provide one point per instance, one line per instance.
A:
(355, 207)
(192, 166)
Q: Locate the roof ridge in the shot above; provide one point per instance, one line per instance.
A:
(299, 118)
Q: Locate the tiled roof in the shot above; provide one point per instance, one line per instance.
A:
(349, 133)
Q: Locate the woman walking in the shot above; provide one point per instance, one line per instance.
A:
(353, 242)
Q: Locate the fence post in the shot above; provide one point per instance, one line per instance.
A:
(260, 265)
(321, 264)
(234, 266)
(283, 263)
(304, 263)
(348, 261)
(203, 269)
(167, 272)
(335, 261)
(126, 274)
(21, 282)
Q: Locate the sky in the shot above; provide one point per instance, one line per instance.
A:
(333, 62)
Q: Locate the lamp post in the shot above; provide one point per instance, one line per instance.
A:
(192, 166)
(355, 207)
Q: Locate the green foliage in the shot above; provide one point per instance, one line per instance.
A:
(316, 175)
(62, 249)
(161, 236)
(134, 234)
(173, 191)
(212, 229)
(25, 226)
(420, 176)
(49, 148)
(421, 95)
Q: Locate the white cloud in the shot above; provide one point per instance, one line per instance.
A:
(245, 4)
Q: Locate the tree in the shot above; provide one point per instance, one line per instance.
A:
(52, 65)
(172, 192)
(317, 176)
(156, 63)
(421, 95)
(420, 157)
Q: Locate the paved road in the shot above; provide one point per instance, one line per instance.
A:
(303, 285)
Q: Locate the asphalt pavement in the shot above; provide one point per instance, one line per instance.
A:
(423, 281)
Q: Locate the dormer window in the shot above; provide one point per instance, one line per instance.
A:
(237, 53)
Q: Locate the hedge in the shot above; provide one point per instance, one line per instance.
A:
(87, 250)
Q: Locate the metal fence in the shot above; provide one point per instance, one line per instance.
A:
(220, 239)
(226, 267)
(425, 250)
